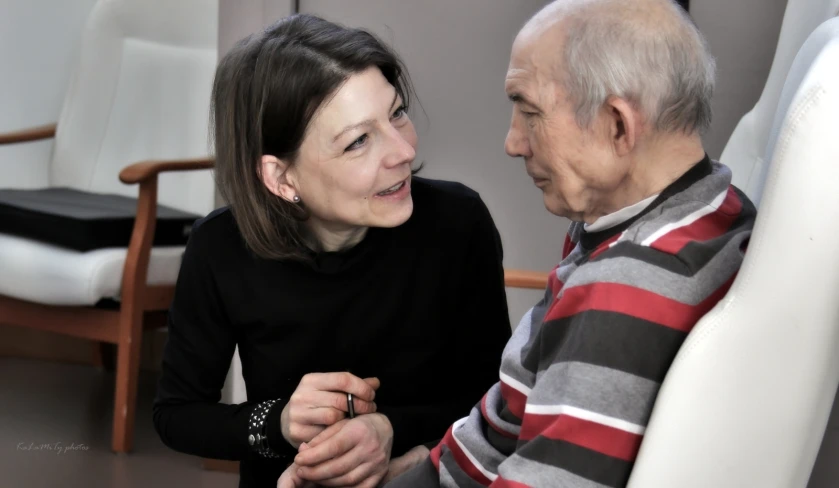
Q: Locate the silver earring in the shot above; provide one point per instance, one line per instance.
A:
(296, 199)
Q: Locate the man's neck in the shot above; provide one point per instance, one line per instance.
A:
(655, 165)
(332, 237)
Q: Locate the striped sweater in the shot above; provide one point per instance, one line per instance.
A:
(581, 373)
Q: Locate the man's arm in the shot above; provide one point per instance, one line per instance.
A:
(586, 380)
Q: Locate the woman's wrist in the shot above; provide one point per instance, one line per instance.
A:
(259, 432)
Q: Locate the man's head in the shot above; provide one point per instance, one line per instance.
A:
(611, 98)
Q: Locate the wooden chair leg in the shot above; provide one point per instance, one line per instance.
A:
(104, 355)
(128, 369)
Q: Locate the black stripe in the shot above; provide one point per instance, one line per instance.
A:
(690, 259)
(583, 462)
(462, 480)
(608, 339)
(648, 255)
(508, 417)
(502, 444)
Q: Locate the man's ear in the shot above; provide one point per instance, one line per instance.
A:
(277, 178)
(625, 123)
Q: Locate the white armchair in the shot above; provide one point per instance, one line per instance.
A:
(137, 107)
(747, 400)
(746, 149)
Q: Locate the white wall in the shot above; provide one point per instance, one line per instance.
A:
(39, 42)
(742, 35)
(457, 54)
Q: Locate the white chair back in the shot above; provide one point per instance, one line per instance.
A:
(141, 91)
(747, 400)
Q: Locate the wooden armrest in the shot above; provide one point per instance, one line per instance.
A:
(134, 272)
(26, 135)
(519, 278)
(139, 172)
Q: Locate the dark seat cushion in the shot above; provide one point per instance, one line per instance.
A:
(84, 221)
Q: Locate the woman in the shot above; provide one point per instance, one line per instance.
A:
(334, 270)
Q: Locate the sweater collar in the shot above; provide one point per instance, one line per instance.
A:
(702, 169)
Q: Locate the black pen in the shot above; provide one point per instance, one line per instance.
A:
(350, 408)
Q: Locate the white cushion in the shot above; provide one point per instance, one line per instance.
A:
(51, 275)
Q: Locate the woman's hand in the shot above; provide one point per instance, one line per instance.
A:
(405, 462)
(320, 400)
(350, 453)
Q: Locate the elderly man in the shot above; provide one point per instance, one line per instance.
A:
(610, 98)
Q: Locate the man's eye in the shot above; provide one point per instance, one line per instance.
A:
(357, 143)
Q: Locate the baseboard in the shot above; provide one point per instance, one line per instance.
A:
(221, 465)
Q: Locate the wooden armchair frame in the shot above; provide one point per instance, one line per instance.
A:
(141, 306)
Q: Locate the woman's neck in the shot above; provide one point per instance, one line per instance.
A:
(332, 237)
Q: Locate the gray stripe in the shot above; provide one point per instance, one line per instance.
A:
(569, 265)
(470, 434)
(640, 274)
(514, 351)
(697, 196)
(535, 474)
(451, 476)
(493, 401)
(595, 388)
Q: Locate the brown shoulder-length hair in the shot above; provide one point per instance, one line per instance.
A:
(265, 93)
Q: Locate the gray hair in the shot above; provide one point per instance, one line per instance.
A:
(663, 67)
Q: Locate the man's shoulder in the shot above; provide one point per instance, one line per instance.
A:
(685, 249)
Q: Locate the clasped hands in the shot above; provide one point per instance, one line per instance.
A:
(333, 450)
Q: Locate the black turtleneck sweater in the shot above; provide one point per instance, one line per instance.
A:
(421, 306)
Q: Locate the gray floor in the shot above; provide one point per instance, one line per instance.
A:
(47, 403)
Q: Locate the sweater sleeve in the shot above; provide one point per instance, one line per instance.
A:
(481, 315)
(196, 359)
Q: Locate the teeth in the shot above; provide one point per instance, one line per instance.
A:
(392, 188)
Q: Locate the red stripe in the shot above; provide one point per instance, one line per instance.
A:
(591, 435)
(496, 428)
(604, 246)
(438, 451)
(628, 300)
(514, 399)
(504, 483)
(706, 228)
(553, 283)
(568, 246)
(459, 457)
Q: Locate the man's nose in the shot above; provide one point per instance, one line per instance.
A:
(517, 143)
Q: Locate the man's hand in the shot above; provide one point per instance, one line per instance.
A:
(290, 479)
(405, 462)
(349, 453)
(320, 400)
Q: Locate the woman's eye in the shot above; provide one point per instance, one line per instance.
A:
(399, 112)
(357, 143)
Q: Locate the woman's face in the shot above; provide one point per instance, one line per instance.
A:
(354, 166)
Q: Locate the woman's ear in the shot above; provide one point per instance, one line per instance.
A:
(277, 178)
